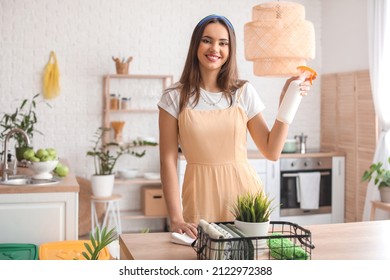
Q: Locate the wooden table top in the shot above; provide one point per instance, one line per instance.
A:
(344, 241)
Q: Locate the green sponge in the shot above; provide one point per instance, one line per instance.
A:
(285, 249)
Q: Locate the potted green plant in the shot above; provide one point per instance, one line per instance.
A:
(381, 178)
(98, 241)
(25, 118)
(105, 157)
(252, 213)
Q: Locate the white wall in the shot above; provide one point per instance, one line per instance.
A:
(86, 34)
(344, 36)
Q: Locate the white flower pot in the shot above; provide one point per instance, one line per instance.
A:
(102, 185)
(385, 194)
(253, 230)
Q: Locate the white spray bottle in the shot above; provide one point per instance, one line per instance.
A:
(293, 97)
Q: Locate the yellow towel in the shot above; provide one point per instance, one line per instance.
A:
(51, 78)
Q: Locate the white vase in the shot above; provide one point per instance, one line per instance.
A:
(254, 230)
(102, 185)
(385, 194)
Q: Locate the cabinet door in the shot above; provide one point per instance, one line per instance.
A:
(38, 218)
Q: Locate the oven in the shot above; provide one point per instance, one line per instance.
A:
(289, 172)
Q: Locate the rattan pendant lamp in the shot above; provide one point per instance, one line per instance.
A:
(278, 39)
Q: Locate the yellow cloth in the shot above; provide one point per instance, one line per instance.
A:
(51, 78)
(214, 145)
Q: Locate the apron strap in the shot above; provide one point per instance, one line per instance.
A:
(240, 91)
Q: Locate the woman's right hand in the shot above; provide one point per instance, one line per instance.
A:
(182, 227)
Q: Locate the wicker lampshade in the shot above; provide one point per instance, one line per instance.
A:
(278, 39)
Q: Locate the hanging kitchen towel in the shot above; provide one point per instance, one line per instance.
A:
(308, 189)
(51, 78)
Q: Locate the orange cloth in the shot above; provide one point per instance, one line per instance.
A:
(214, 145)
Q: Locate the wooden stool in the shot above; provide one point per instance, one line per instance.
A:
(379, 205)
(111, 212)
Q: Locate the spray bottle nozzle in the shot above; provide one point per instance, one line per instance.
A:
(307, 72)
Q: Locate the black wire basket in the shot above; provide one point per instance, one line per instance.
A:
(285, 241)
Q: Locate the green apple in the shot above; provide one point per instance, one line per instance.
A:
(61, 170)
(34, 159)
(52, 152)
(28, 154)
(40, 153)
(50, 157)
(45, 158)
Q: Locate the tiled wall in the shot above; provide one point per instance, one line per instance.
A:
(86, 34)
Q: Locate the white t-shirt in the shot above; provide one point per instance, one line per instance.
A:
(249, 101)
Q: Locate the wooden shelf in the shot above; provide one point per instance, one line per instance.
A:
(137, 181)
(163, 82)
(166, 81)
(132, 111)
(139, 76)
(137, 215)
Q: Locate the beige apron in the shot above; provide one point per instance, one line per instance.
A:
(214, 145)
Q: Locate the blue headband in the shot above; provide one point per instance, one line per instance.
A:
(224, 19)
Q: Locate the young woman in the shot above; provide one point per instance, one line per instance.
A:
(208, 113)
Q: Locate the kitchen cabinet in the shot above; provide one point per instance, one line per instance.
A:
(143, 91)
(39, 214)
(349, 125)
(38, 218)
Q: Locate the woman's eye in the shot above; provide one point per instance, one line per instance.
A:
(224, 43)
(206, 41)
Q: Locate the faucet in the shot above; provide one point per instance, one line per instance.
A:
(7, 137)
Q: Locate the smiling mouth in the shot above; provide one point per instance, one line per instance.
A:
(213, 57)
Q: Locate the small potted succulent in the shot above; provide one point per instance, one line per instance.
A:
(105, 158)
(381, 178)
(252, 213)
(252, 207)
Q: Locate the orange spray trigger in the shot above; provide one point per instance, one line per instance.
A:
(308, 72)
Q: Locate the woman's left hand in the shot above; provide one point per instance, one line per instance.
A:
(304, 87)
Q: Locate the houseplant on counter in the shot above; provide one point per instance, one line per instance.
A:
(25, 118)
(98, 240)
(252, 213)
(381, 177)
(105, 157)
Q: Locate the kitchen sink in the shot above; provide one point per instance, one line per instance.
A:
(27, 180)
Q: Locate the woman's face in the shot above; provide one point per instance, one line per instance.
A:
(213, 50)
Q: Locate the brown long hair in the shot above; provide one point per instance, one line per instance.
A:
(227, 80)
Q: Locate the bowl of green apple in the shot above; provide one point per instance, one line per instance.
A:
(43, 162)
